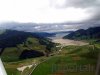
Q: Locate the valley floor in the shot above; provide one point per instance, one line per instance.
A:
(67, 42)
(70, 53)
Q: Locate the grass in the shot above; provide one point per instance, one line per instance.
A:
(12, 71)
(11, 54)
(11, 67)
(46, 67)
(70, 56)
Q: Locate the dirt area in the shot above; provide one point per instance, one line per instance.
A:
(69, 42)
(23, 68)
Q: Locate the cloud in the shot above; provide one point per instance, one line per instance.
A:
(50, 15)
(41, 11)
(83, 3)
(75, 3)
(92, 6)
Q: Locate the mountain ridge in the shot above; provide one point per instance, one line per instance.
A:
(82, 34)
(18, 43)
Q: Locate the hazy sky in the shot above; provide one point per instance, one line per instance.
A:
(66, 14)
(46, 11)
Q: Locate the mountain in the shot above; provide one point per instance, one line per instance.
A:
(90, 33)
(35, 27)
(16, 45)
(60, 34)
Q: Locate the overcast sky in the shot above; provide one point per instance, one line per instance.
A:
(48, 11)
(81, 12)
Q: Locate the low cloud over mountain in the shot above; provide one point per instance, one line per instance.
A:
(54, 27)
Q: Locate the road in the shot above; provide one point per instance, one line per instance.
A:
(63, 42)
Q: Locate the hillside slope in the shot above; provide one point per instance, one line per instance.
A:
(90, 33)
(16, 45)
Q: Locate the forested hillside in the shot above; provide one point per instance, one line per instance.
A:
(17, 45)
(90, 33)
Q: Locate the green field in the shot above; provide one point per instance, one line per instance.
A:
(69, 56)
